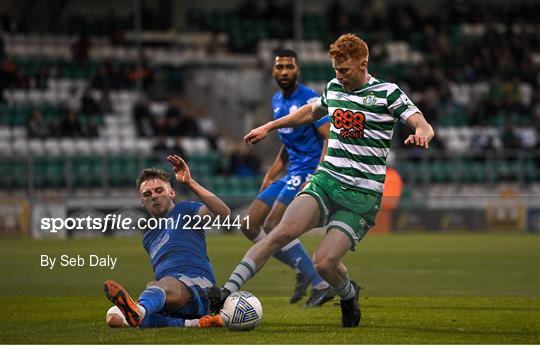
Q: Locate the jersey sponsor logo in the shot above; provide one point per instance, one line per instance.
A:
(351, 124)
(292, 108)
(286, 130)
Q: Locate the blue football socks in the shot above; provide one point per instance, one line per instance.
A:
(152, 299)
(300, 261)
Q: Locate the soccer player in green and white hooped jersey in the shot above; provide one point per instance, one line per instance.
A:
(345, 192)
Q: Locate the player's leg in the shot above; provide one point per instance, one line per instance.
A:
(196, 310)
(115, 319)
(327, 257)
(256, 214)
(290, 228)
(184, 297)
(167, 291)
(345, 230)
(289, 253)
(264, 206)
(295, 253)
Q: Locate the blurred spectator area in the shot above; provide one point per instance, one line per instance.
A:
(71, 118)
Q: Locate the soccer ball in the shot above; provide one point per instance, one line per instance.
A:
(241, 311)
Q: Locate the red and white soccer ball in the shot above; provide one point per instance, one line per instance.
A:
(241, 311)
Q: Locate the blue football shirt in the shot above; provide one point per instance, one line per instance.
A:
(179, 250)
(303, 143)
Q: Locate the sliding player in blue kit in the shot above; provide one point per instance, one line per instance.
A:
(177, 295)
(302, 148)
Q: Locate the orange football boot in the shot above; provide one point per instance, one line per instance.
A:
(119, 297)
(209, 321)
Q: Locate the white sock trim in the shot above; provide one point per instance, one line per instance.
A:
(191, 323)
(290, 245)
(142, 311)
(321, 285)
(260, 236)
(159, 288)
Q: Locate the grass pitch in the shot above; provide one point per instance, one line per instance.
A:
(418, 288)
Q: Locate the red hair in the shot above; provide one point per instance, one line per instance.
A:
(349, 46)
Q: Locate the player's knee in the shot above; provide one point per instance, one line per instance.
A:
(250, 232)
(169, 285)
(152, 283)
(324, 265)
(176, 292)
(282, 236)
(270, 224)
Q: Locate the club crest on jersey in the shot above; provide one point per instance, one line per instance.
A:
(369, 100)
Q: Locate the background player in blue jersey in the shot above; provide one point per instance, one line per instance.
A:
(302, 147)
(177, 252)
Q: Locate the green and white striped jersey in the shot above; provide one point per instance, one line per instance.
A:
(362, 123)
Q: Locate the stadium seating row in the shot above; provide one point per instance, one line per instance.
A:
(466, 170)
(114, 171)
(120, 170)
(18, 116)
(59, 92)
(21, 146)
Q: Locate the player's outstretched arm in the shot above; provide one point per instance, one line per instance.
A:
(213, 205)
(303, 115)
(278, 167)
(423, 131)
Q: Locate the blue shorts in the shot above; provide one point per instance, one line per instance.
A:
(284, 190)
(198, 305)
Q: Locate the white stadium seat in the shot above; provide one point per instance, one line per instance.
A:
(52, 146)
(67, 146)
(20, 147)
(36, 147)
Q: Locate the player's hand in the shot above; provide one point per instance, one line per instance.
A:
(418, 140)
(181, 169)
(257, 134)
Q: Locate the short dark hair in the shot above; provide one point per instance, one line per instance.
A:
(286, 53)
(153, 173)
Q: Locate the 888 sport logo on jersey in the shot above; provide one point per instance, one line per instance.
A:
(351, 124)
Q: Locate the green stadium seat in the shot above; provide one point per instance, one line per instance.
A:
(49, 172)
(87, 171)
(5, 174)
(123, 170)
(531, 171)
(219, 186)
(438, 171)
(19, 173)
(236, 186)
